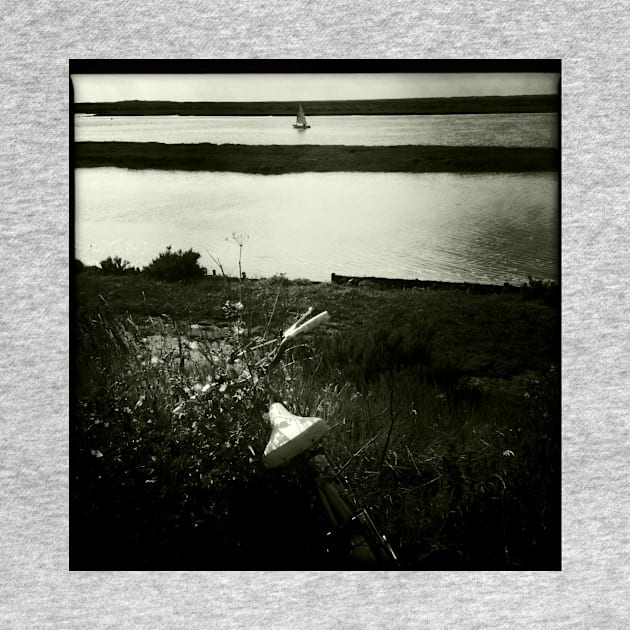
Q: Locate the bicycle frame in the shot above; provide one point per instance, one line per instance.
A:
(353, 526)
(296, 437)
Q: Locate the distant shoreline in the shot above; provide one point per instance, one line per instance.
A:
(543, 103)
(425, 285)
(279, 159)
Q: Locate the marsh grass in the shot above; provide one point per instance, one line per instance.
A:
(166, 440)
(277, 159)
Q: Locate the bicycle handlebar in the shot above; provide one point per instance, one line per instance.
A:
(299, 327)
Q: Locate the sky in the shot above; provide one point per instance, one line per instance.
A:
(304, 87)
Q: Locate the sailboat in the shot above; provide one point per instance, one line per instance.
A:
(301, 123)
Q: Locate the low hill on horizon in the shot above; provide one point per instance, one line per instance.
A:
(542, 103)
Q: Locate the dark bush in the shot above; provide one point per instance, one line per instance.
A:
(115, 265)
(179, 265)
(544, 291)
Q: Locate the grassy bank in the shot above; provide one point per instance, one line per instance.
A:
(444, 408)
(455, 105)
(276, 159)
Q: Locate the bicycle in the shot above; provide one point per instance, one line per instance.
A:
(296, 441)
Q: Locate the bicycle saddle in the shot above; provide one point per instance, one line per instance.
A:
(290, 435)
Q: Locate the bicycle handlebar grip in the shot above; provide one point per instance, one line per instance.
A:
(307, 325)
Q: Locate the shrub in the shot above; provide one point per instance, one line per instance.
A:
(115, 265)
(179, 265)
(545, 291)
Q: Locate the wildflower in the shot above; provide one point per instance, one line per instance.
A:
(508, 453)
(197, 387)
(96, 454)
(154, 360)
(206, 387)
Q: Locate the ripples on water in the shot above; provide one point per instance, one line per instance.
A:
(534, 130)
(477, 228)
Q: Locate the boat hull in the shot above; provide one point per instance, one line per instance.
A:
(301, 126)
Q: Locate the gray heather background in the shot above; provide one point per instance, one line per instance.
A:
(37, 39)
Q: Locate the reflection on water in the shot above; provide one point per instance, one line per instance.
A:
(533, 130)
(477, 228)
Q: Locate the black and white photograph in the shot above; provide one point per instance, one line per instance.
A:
(315, 315)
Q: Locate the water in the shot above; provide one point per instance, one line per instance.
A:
(533, 130)
(439, 226)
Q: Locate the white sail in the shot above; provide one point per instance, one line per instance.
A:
(301, 123)
(301, 120)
